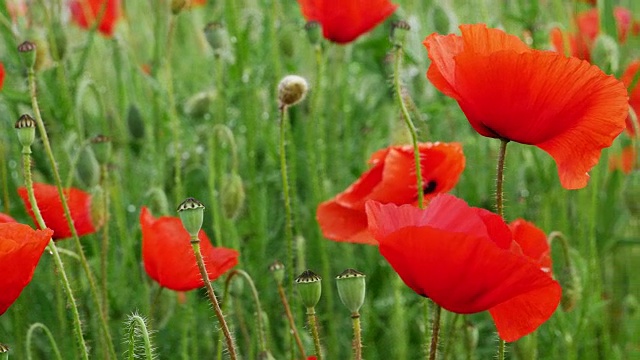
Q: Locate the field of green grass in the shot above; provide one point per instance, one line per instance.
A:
(188, 119)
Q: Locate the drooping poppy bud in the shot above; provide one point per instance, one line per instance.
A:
(291, 90)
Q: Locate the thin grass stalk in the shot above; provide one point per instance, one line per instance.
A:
(49, 335)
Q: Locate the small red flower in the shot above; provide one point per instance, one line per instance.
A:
(20, 251)
(52, 211)
(4, 218)
(169, 258)
(565, 106)
(634, 93)
(467, 260)
(86, 12)
(198, 3)
(391, 179)
(625, 161)
(1, 75)
(344, 21)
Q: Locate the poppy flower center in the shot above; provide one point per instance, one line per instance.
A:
(429, 187)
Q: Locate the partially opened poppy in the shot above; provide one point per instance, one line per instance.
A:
(634, 93)
(344, 21)
(86, 12)
(391, 179)
(52, 211)
(4, 218)
(20, 250)
(168, 256)
(466, 260)
(565, 106)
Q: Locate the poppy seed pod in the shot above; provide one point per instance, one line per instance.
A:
(27, 52)
(291, 90)
(101, 148)
(314, 32)
(277, 269)
(309, 287)
(217, 37)
(351, 288)
(399, 31)
(26, 128)
(191, 212)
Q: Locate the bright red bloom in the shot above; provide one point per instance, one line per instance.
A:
(625, 161)
(198, 2)
(466, 260)
(50, 206)
(1, 75)
(391, 179)
(86, 12)
(20, 251)
(4, 218)
(634, 94)
(169, 258)
(343, 21)
(565, 106)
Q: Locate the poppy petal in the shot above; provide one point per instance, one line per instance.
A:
(86, 12)
(341, 223)
(533, 242)
(634, 93)
(496, 228)
(4, 218)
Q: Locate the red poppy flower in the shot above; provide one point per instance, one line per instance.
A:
(565, 106)
(625, 161)
(1, 75)
(52, 211)
(169, 258)
(4, 218)
(198, 2)
(20, 251)
(466, 261)
(343, 21)
(391, 179)
(634, 94)
(86, 12)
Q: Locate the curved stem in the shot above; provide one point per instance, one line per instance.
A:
(500, 209)
(195, 243)
(136, 321)
(288, 227)
(49, 335)
(261, 337)
(292, 324)
(67, 213)
(311, 316)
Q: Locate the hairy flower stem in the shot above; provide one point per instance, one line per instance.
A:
(357, 336)
(47, 332)
(435, 332)
(500, 208)
(137, 322)
(64, 280)
(104, 251)
(67, 213)
(311, 317)
(195, 243)
(292, 324)
(254, 292)
(288, 227)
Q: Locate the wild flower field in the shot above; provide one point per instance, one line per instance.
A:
(358, 179)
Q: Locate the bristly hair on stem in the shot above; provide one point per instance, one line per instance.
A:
(138, 338)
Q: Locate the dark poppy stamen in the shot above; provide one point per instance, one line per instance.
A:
(429, 187)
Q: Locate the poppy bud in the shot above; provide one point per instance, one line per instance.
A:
(27, 52)
(399, 30)
(300, 248)
(314, 32)
(199, 104)
(351, 288)
(98, 213)
(440, 19)
(277, 269)
(177, 6)
(232, 195)
(309, 287)
(217, 37)
(87, 167)
(26, 128)
(568, 276)
(158, 202)
(291, 90)
(135, 123)
(102, 148)
(606, 54)
(191, 212)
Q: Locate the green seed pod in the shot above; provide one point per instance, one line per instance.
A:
(606, 54)
(217, 37)
(28, 53)
(309, 287)
(102, 148)
(135, 123)
(351, 288)
(87, 167)
(98, 214)
(291, 90)
(399, 31)
(199, 104)
(191, 212)
(277, 269)
(232, 195)
(26, 129)
(314, 32)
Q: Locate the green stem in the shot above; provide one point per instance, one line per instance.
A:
(288, 227)
(195, 243)
(64, 280)
(292, 324)
(357, 336)
(138, 322)
(261, 336)
(104, 252)
(435, 331)
(49, 335)
(67, 213)
(311, 316)
(174, 122)
(500, 208)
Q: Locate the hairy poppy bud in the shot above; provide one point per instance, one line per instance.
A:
(198, 105)
(232, 195)
(309, 287)
(58, 42)
(27, 52)
(158, 202)
(277, 269)
(191, 212)
(314, 32)
(26, 128)
(291, 90)
(351, 288)
(87, 167)
(631, 191)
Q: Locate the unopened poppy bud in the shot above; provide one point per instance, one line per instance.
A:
(309, 287)
(87, 167)
(98, 209)
(158, 202)
(102, 148)
(232, 195)
(135, 123)
(177, 6)
(191, 212)
(27, 52)
(606, 54)
(277, 269)
(314, 32)
(26, 128)
(440, 19)
(217, 37)
(399, 30)
(291, 90)
(351, 289)
(571, 287)
(198, 105)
